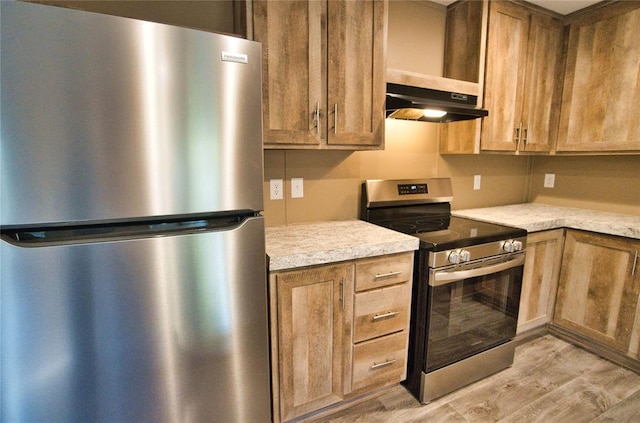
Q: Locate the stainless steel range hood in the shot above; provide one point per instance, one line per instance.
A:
(427, 98)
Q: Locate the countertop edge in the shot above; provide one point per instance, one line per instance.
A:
(301, 245)
(292, 262)
(534, 217)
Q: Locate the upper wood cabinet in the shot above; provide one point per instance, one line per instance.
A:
(601, 94)
(522, 79)
(323, 73)
(598, 290)
(524, 50)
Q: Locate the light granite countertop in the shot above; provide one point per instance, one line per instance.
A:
(308, 244)
(538, 217)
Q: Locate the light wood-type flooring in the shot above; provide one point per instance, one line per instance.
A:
(550, 381)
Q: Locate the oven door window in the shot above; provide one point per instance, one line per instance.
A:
(471, 315)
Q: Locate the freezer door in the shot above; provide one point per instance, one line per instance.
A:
(164, 329)
(106, 118)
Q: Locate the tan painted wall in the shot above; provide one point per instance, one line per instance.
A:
(416, 35)
(223, 16)
(332, 179)
(503, 179)
(606, 183)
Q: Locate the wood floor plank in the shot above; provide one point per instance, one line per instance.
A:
(617, 381)
(505, 393)
(577, 401)
(626, 411)
(550, 381)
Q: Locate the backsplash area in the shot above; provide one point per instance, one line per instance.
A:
(332, 179)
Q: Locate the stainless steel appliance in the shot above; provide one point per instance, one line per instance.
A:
(133, 279)
(467, 282)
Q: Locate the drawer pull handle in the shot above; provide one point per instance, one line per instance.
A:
(386, 363)
(386, 275)
(386, 315)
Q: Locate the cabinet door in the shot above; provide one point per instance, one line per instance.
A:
(598, 289)
(505, 73)
(314, 336)
(540, 278)
(356, 72)
(293, 76)
(601, 94)
(542, 86)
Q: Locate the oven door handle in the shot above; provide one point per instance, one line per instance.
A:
(441, 277)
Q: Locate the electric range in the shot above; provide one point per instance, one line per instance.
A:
(466, 285)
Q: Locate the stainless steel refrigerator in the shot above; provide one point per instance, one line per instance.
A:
(133, 268)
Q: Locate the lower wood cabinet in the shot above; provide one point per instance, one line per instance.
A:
(540, 278)
(311, 314)
(598, 290)
(380, 361)
(338, 331)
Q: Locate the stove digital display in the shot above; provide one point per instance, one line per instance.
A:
(404, 189)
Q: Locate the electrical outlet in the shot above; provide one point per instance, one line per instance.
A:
(297, 188)
(549, 180)
(476, 182)
(276, 189)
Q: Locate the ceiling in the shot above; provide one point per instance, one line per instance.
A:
(563, 7)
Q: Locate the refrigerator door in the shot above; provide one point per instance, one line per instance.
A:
(108, 118)
(162, 329)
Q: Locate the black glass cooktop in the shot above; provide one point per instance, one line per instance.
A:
(447, 232)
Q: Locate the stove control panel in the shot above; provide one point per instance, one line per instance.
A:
(476, 252)
(404, 189)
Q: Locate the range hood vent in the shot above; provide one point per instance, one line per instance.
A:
(426, 98)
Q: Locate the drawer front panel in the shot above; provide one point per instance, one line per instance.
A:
(380, 361)
(382, 311)
(379, 272)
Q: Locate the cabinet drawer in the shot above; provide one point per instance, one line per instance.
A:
(382, 311)
(379, 272)
(380, 361)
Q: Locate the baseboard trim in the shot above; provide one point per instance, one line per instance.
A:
(588, 344)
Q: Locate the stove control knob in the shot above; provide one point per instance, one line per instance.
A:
(465, 255)
(508, 246)
(454, 257)
(512, 245)
(517, 245)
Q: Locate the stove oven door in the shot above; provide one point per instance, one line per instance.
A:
(471, 308)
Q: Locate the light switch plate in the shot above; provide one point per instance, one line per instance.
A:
(297, 188)
(549, 180)
(476, 182)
